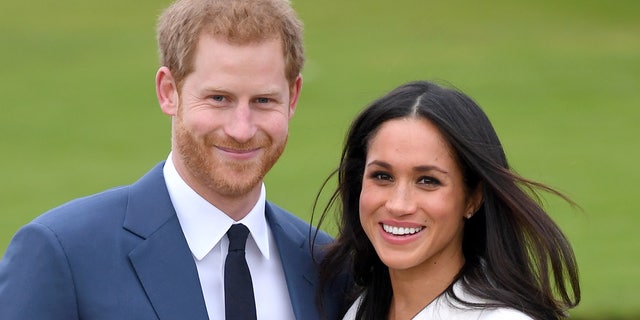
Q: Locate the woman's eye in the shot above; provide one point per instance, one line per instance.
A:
(381, 176)
(429, 181)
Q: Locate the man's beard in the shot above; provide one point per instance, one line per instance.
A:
(226, 177)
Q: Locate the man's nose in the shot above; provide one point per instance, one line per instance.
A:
(240, 124)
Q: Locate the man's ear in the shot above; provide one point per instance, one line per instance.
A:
(167, 91)
(294, 95)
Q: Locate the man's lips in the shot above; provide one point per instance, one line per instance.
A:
(240, 154)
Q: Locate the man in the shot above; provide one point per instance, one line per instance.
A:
(230, 81)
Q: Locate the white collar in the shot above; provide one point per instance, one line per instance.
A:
(203, 224)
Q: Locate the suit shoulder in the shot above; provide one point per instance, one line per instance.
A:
(284, 217)
(82, 213)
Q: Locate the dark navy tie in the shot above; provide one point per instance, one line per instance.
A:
(239, 302)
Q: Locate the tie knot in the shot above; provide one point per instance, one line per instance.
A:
(237, 237)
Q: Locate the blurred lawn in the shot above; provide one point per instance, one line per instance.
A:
(559, 79)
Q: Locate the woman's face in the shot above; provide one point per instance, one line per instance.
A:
(413, 200)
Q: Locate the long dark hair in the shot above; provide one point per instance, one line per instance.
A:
(515, 255)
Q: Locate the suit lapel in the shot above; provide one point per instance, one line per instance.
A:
(299, 270)
(162, 260)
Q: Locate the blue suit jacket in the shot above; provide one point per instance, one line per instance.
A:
(121, 254)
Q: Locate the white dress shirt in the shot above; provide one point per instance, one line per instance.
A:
(205, 227)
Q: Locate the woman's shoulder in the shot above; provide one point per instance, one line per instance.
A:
(489, 313)
(446, 307)
(503, 314)
(442, 310)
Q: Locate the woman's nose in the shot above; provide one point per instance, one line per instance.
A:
(401, 201)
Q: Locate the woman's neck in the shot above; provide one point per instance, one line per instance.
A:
(415, 288)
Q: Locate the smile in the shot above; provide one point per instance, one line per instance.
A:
(240, 151)
(400, 231)
(240, 154)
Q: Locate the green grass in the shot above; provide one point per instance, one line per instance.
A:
(559, 79)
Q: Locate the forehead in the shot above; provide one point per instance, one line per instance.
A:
(411, 138)
(254, 58)
(208, 42)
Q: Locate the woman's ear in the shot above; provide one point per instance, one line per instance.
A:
(167, 91)
(475, 201)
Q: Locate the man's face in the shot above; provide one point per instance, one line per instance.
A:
(231, 125)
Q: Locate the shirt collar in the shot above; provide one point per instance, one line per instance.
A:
(203, 224)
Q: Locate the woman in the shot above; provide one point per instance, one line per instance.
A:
(434, 224)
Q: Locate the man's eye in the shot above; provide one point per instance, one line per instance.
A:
(217, 98)
(263, 100)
